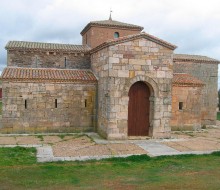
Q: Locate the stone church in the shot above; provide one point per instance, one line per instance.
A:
(121, 82)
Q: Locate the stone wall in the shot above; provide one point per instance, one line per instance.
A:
(118, 68)
(208, 73)
(98, 61)
(189, 116)
(41, 59)
(48, 107)
(98, 35)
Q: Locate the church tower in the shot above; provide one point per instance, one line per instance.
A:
(98, 32)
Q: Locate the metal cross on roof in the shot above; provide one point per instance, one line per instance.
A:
(110, 17)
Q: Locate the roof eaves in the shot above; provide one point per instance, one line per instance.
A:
(187, 84)
(20, 45)
(198, 59)
(44, 74)
(89, 25)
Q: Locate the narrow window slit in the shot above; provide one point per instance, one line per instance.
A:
(55, 103)
(65, 61)
(180, 105)
(25, 104)
(36, 61)
(85, 103)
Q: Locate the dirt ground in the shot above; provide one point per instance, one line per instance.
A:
(204, 140)
(83, 145)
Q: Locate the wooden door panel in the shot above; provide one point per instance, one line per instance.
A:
(138, 110)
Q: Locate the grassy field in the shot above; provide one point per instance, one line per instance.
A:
(19, 170)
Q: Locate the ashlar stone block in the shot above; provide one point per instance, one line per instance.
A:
(123, 73)
(137, 62)
(161, 74)
(113, 60)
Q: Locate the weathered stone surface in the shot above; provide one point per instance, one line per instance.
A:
(26, 108)
(207, 73)
(113, 88)
(44, 59)
(190, 114)
(123, 73)
(113, 60)
(137, 62)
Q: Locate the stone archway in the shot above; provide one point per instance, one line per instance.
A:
(154, 94)
(149, 82)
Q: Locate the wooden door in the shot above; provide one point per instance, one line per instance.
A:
(138, 110)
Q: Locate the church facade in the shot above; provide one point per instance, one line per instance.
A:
(121, 82)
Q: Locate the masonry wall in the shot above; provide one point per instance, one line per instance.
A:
(46, 59)
(75, 107)
(98, 35)
(98, 60)
(208, 73)
(120, 66)
(189, 117)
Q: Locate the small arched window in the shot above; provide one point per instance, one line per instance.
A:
(116, 35)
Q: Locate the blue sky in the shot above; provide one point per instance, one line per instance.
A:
(192, 25)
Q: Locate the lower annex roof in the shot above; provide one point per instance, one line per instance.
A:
(185, 79)
(48, 75)
(23, 45)
(194, 58)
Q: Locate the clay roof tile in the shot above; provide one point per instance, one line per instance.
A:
(184, 79)
(22, 45)
(194, 58)
(111, 23)
(48, 75)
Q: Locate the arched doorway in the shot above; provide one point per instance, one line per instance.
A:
(138, 110)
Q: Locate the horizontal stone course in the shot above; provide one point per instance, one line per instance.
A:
(41, 59)
(74, 110)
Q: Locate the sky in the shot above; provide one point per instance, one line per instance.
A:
(192, 25)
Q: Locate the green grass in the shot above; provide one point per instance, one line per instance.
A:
(218, 115)
(19, 170)
(17, 156)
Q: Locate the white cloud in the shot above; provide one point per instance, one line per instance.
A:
(192, 25)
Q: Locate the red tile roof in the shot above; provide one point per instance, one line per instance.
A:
(194, 58)
(48, 74)
(184, 79)
(111, 23)
(22, 45)
(134, 37)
